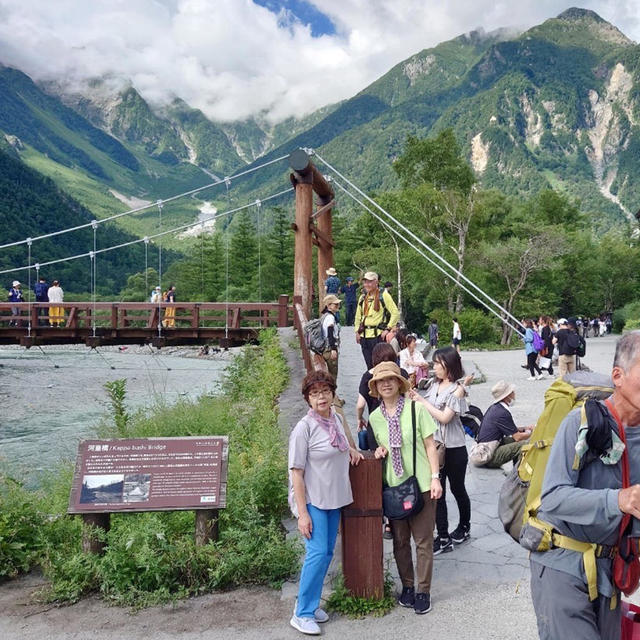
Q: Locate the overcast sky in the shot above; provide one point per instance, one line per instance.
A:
(237, 58)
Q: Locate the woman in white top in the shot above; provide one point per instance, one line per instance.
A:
(446, 401)
(331, 332)
(319, 456)
(413, 362)
(56, 314)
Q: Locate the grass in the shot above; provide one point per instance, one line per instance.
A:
(151, 558)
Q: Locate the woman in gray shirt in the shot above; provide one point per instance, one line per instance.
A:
(445, 401)
(319, 456)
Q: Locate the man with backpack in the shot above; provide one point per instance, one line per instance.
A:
(376, 315)
(584, 537)
(569, 344)
(41, 289)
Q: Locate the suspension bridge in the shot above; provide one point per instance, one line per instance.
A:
(97, 323)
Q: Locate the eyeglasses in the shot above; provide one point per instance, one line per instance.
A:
(320, 392)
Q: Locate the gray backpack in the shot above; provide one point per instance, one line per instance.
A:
(313, 335)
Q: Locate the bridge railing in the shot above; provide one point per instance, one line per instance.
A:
(44, 316)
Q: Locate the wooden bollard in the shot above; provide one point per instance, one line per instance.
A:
(362, 561)
(90, 522)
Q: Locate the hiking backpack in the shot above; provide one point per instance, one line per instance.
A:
(314, 336)
(521, 492)
(471, 421)
(538, 342)
(576, 344)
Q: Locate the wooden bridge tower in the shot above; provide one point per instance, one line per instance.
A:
(310, 228)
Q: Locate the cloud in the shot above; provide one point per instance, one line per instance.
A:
(234, 59)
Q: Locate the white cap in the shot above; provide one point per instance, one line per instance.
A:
(562, 321)
(16, 283)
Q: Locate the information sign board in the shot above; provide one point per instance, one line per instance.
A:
(150, 474)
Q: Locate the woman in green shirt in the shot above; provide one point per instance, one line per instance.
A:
(391, 424)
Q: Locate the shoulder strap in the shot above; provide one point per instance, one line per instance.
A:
(626, 517)
(413, 424)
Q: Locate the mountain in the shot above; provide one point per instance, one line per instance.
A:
(557, 106)
(32, 205)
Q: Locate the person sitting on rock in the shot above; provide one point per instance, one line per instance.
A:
(499, 440)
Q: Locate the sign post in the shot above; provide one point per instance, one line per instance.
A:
(150, 474)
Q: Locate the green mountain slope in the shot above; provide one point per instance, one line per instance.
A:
(31, 205)
(556, 106)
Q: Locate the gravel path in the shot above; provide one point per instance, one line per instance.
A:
(481, 590)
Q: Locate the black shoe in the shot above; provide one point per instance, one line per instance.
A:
(423, 603)
(524, 366)
(407, 597)
(442, 545)
(460, 534)
(386, 532)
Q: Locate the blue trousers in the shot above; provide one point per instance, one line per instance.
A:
(319, 551)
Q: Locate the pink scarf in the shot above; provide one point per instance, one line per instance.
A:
(395, 436)
(330, 425)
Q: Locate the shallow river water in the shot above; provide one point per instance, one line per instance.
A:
(53, 398)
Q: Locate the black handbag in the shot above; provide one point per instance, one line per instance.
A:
(405, 499)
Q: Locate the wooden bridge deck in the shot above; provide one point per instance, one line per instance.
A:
(105, 323)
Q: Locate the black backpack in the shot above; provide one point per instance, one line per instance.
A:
(471, 421)
(576, 344)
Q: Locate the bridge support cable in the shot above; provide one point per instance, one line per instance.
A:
(92, 255)
(146, 264)
(496, 304)
(29, 285)
(148, 238)
(159, 204)
(426, 257)
(145, 207)
(258, 207)
(227, 182)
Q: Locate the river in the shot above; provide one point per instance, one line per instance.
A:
(54, 397)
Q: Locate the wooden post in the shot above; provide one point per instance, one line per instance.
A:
(90, 522)
(325, 251)
(362, 529)
(283, 310)
(302, 262)
(206, 526)
(307, 179)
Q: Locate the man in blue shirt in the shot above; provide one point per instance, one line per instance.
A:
(350, 291)
(41, 288)
(332, 283)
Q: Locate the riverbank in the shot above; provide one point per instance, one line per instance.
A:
(56, 396)
(151, 558)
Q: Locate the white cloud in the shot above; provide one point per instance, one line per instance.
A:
(230, 58)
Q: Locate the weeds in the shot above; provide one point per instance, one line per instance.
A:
(344, 602)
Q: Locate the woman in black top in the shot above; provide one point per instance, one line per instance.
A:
(547, 337)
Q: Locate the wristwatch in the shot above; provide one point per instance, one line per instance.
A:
(435, 475)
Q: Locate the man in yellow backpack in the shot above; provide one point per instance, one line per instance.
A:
(583, 501)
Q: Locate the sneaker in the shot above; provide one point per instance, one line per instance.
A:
(531, 378)
(442, 545)
(386, 532)
(320, 615)
(407, 597)
(305, 625)
(460, 534)
(539, 376)
(423, 603)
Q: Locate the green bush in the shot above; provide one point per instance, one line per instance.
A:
(20, 526)
(478, 329)
(628, 317)
(151, 558)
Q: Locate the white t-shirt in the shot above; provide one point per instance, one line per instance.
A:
(405, 356)
(456, 331)
(328, 321)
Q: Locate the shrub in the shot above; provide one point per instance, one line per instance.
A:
(478, 328)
